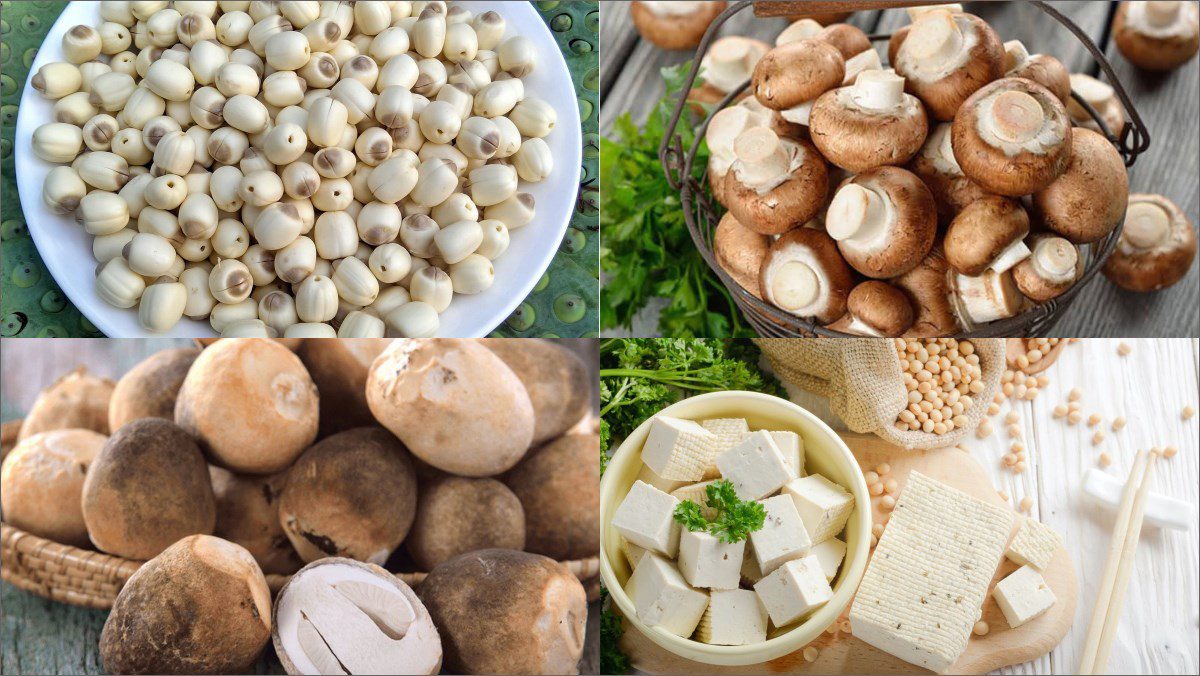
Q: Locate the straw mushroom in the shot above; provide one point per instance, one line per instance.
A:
(1156, 248)
(1088, 200)
(339, 370)
(791, 77)
(248, 515)
(1041, 68)
(1157, 35)
(740, 252)
(1012, 137)
(985, 298)
(884, 221)
(556, 379)
(869, 124)
(938, 168)
(988, 233)
(929, 292)
(77, 400)
(804, 274)
(729, 62)
(774, 184)
(1101, 97)
(1053, 266)
(559, 488)
(149, 390)
(674, 25)
(41, 484)
(876, 308)
(946, 57)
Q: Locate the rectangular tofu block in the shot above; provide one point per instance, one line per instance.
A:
(662, 598)
(1034, 545)
(791, 445)
(751, 573)
(707, 562)
(830, 553)
(795, 589)
(824, 505)
(647, 475)
(678, 449)
(925, 585)
(696, 493)
(646, 517)
(755, 466)
(728, 432)
(782, 537)
(1023, 595)
(633, 553)
(733, 617)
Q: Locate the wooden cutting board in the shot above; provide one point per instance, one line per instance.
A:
(842, 653)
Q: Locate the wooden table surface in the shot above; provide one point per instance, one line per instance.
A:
(38, 636)
(630, 83)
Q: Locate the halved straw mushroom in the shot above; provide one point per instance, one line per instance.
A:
(870, 123)
(1100, 96)
(775, 184)
(876, 308)
(791, 77)
(1088, 200)
(938, 168)
(723, 130)
(1156, 248)
(884, 221)
(928, 289)
(1041, 68)
(1053, 267)
(1012, 137)
(1157, 35)
(674, 25)
(730, 61)
(740, 252)
(946, 57)
(803, 274)
(988, 233)
(985, 298)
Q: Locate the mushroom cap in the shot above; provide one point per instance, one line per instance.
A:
(1102, 97)
(896, 41)
(926, 76)
(907, 232)
(1088, 200)
(982, 231)
(876, 308)
(851, 132)
(1012, 137)
(936, 166)
(1053, 267)
(790, 204)
(1156, 49)
(1168, 256)
(675, 30)
(41, 484)
(1041, 68)
(809, 258)
(740, 252)
(928, 290)
(716, 183)
(849, 40)
(797, 72)
(729, 62)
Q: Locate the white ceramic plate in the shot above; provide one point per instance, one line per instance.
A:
(67, 249)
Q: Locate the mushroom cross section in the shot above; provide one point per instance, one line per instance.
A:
(884, 221)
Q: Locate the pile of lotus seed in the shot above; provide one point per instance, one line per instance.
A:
(285, 168)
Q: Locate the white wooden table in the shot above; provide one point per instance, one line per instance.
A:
(1159, 629)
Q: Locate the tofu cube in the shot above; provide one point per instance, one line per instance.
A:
(696, 493)
(1034, 545)
(646, 517)
(1023, 595)
(729, 432)
(633, 553)
(830, 553)
(824, 506)
(755, 466)
(792, 447)
(707, 562)
(733, 617)
(678, 449)
(782, 537)
(662, 598)
(647, 475)
(751, 573)
(794, 590)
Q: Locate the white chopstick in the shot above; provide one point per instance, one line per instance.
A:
(1127, 530)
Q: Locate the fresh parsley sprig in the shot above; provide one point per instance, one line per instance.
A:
(735, 520)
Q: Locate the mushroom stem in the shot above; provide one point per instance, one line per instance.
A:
(986, 298)
(1055, 259)
(1016, 116)
(860, 63)
(856, 213)
(915, 13)
(1146, 225)
(1015, 55)
(1160, 14)
(800, 30)
(878, 90)
(730, 61)
(795, 286)
(1015, 253)
(762, 155)
(1095, 92)
(799, 114)
(935, 37)
(723, 131)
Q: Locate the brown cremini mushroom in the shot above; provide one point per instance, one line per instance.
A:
(914, 13)
(984, 298)
(804, 274)
(1156, 248)
(937, 167)
(1157, 35)
(729, 62)
(849, 40)
(1041, 68)
(775, 184)
(884, 221)
(1053, 267)
(723, 130)
(988, 233)
(1101, 97)
(927, 287)
(869, 124)
(876, 308)
(797, 73)
(674, 25)
(946, 57)
(1012, 137)
(740, 252)
(1088, 200)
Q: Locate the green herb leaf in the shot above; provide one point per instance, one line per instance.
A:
(612, 660)
(688, 514)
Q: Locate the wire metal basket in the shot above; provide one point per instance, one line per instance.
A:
(702, 213)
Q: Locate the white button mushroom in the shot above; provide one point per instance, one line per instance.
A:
(673, 25)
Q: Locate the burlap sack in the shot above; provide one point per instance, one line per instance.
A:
(864, 384)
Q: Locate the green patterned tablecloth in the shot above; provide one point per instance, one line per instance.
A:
(564, 302)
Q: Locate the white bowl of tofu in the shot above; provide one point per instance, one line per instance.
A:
(717, 602)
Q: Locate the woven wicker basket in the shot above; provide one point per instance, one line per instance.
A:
(91, 579)
(701, 212)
